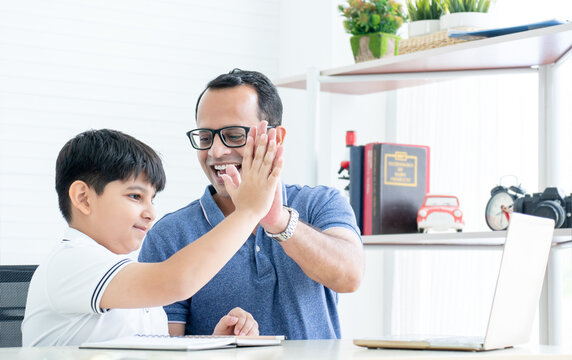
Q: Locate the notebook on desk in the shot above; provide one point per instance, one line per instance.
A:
(517, 293)
(182, 343)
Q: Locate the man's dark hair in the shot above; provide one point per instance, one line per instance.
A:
(269, 103)
(99, 157)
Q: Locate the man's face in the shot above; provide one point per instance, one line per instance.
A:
(219, 108)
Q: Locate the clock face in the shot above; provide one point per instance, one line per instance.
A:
(498, 210)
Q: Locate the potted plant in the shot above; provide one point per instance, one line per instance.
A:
(466, 15)
(373, 24)
(424, 16)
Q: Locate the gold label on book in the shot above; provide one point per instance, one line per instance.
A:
(400, 169)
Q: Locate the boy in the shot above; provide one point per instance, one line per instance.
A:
(89, 289)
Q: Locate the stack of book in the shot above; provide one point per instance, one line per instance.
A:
(387, 186)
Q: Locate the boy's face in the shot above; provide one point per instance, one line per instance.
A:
(123, 214)
(219, 108)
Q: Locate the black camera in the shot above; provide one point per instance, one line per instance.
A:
(552, 203)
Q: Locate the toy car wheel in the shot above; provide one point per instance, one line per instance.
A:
(459, 230)
(421, 231)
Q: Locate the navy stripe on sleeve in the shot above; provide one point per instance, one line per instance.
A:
(99, 288)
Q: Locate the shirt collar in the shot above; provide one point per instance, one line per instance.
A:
(210, 209)
(77, 236)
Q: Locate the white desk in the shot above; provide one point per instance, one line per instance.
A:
(300, 349)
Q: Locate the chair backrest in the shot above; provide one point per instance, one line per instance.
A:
(14, 282)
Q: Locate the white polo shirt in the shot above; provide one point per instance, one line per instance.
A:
(65, 292)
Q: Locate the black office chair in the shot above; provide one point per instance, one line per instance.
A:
(14, 282)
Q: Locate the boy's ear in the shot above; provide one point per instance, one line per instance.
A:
(79, 196)
(280, 134)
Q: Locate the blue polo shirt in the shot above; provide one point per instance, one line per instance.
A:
(260, 277)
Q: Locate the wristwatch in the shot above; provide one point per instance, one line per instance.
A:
(286, 234)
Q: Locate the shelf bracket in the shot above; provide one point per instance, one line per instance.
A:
(313, 116)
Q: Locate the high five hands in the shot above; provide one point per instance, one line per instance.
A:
(255, 187)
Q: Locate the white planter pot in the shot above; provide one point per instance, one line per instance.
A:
(423, 27)
(465, 21)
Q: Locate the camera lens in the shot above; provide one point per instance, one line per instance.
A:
(550, 209)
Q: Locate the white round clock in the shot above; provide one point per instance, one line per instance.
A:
(499, 207)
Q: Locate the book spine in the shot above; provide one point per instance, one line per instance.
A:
(356, 183)
(367, 188)
(376, 190)
(427, 168)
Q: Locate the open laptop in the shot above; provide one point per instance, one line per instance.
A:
(516, 297)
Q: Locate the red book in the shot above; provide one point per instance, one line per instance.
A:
(367, 189)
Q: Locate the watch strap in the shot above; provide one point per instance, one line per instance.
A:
(290, 228)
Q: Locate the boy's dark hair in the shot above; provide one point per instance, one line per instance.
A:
(99, 157)
(269, 103)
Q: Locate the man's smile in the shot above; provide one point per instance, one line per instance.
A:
(220, 169)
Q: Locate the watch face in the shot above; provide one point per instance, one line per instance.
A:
(498, 210)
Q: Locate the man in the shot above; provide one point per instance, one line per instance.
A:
(302, 253)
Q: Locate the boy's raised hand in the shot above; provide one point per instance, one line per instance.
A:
(261, 167)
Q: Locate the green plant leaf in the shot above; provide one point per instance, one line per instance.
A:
(453, 6)
(370, 16)
(425, 9)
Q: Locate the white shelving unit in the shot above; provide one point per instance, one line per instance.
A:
(538, 51)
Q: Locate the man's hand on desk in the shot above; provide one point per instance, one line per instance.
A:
(237, 322)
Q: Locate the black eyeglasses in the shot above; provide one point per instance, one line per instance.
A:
(231, 136)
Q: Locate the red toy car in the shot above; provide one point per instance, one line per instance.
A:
(440, 212)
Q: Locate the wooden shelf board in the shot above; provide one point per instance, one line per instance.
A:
(485, 238)
(519, 50)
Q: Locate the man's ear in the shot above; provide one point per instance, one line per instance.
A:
(280, 134)
(79, 196)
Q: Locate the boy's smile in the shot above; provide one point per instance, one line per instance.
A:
(121, 216)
